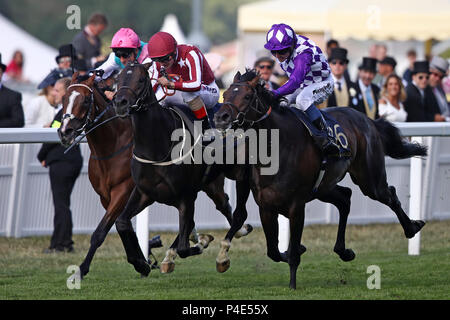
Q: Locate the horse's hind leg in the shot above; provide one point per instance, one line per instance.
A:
(374, 184)
(340, 198)
(136, 204)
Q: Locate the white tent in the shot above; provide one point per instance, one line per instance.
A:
(39, 58)
(171, 25)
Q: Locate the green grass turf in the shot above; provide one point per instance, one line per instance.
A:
(27, 273)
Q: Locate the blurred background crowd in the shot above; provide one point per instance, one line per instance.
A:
(384, 63)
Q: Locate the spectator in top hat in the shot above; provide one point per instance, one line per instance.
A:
(80, 66)
(264, 66)
(344, 93)
(11, 111)
(367, 92)
(385, 68)
(420, 104)
(407, 75)
(64, 61)
(438, 70)
(87, 42)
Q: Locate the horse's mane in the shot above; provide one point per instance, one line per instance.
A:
(264, 94)
(84, 77)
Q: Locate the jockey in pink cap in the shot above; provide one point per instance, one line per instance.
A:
(126, 47)
(310, 80)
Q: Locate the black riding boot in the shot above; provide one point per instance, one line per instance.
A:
(207, 137)
(324, 141)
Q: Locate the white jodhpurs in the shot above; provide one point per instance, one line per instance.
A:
(208, 93)
(315, 93)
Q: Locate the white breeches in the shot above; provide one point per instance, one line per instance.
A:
(208, 93)
(315, 93)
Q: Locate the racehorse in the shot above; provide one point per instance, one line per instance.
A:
(248, 104)
(159, 177)
(84, 107)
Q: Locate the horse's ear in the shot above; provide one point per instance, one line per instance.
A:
(90, 81)
(237, 76)
(74, 77)
(255, 81)
(148, 65)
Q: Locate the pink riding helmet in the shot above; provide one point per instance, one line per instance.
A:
(125, 38)
(279, 37)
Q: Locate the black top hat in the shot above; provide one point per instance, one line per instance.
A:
(338, 54)
(390, 61)
(66, 50)
(1, 64)
(421, 66)
(369, 64)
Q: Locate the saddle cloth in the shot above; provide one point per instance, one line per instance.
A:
(334, 130)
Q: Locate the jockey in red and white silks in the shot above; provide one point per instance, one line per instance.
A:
(193, 81)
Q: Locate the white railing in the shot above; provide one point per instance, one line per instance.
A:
(21, 176)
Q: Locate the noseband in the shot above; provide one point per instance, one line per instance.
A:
(241, 115)
(87, 119)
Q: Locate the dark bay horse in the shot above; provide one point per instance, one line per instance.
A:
(111, 153)
(159, 177)
(248, 104)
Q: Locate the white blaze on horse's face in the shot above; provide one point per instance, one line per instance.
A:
(69, 109)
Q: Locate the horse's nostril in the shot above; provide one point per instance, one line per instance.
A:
(123, 102)
(226, 117)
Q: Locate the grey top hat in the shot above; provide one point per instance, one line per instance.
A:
(439, 64)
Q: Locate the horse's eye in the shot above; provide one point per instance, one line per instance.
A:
(247, 97)
(141, 80)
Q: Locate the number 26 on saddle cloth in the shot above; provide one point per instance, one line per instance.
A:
(334, 130)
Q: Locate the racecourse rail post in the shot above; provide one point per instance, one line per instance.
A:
(415, 200)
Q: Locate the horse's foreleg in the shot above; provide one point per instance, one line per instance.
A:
(119, 196)
(296, 223)
(136, 204)
(239, 217)
(269, 222)
(340, 198)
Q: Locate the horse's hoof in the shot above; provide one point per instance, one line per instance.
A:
(347, 255)
(223, 266)
(205, 239)
(167, 267)
(284, 256)
(416, 225)
(302, 249)
(244, 231)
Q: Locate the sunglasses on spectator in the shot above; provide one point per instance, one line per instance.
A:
(421, 77)
(342, 63)
(265, 66)
(280, 52)
(123, 54)
(440, 76)
(65, 59)
(162, 59)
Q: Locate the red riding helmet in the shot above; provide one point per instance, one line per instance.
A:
(161, 44)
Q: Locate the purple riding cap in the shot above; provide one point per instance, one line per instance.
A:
(279, 37)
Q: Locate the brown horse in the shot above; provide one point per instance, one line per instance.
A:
(111, 145)
(248, 104)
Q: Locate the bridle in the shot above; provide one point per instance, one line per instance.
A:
(88, 124)
(241, 115)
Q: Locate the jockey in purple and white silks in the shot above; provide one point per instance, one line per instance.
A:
(310, 81)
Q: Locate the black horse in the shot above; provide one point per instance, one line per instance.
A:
(248, 104)
(111, 152)
(159, 177)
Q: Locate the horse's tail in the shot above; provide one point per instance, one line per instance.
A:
(394, 145)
